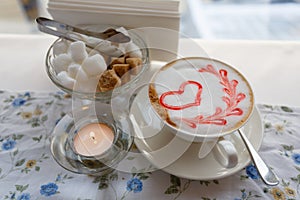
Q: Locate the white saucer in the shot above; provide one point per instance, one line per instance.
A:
(159, 146)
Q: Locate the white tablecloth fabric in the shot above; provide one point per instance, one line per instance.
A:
(26, 120)
(28, 171)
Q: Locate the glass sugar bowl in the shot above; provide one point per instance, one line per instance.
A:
(126, 70)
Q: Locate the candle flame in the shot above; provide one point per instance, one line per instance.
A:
(92, 135)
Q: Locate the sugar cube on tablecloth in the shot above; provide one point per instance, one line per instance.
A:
(133, 50)
(73, 69)
(78, 51)
(65, 79)
(61, 62)
(94, 65)
(60, 47)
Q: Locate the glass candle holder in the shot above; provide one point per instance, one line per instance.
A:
(94, 144)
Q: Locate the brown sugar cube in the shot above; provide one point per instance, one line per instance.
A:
(115, 60)
(121, 69)
(135, 65)
(108, 81)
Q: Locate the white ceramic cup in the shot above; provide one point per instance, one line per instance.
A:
(202, 100)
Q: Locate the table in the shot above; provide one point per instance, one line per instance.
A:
(31, 106)
(270, 66)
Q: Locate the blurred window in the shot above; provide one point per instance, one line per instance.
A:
(242, 19)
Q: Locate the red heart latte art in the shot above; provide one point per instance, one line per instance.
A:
(182, 87)
(232, 98)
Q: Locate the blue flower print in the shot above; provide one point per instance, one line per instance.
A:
(58, 178)
(24, 196)
(18, 102)
(49, 189)
(57, 121)
(244, 196)
(296, 158)
(8, 144)
(13, 196)
(252, 172)
(134, 185)
(27, 94)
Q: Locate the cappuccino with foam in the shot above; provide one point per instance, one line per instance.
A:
(201, 96)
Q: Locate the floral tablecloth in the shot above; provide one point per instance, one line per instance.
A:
(28, 171)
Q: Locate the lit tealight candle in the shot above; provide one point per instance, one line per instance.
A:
(93, 139)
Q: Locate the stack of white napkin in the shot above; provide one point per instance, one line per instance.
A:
(162, 14)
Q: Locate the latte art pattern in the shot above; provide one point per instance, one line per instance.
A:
(232, 98)
(180, 91)
(202, 97)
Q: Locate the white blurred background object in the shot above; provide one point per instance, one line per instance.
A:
(207, 19)
(12, 19)
(16, 16)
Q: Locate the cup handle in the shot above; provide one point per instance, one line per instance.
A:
(225, 153)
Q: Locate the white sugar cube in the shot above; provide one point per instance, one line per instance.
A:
(94, 65)
(73, 69)
(87, 86)
(123, 47)
(81, 76)
(133, 50)
(60, 47)
(61, 62)
(65, 79)
(107, 48)
(78, 51)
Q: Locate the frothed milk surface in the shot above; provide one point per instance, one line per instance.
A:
(201, 96)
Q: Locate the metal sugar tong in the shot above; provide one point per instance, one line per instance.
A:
(72, 33)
